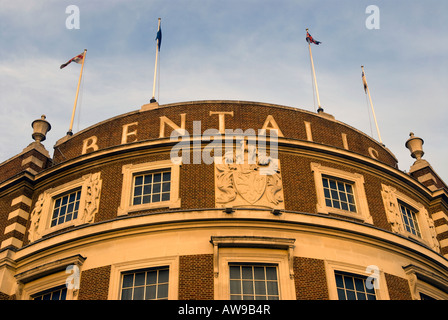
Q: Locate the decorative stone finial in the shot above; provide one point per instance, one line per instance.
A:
(414, 144)
(40, 127)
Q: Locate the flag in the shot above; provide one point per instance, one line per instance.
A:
(77, 59)
(159, 37)
(364, 81)
(310, 39)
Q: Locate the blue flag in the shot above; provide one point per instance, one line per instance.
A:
(159, 38)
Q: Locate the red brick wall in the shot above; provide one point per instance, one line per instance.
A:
(196, 280)
(398, 288)
(94, 284)
(310, 279)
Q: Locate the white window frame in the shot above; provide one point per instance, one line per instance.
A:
(391, 199)
(130, 170)
(357, 180)
(381, 291)
(117, 270)
(48, 201)
(253, 251)
(48, 276)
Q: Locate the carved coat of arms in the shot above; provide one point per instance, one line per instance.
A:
(248, 178)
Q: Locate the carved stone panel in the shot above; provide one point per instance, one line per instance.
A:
(248, 178)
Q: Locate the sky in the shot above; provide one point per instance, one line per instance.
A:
(248, 50)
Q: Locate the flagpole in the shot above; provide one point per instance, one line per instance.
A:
(69, 132)
(371, 104)
(314, 75)
(155, 67)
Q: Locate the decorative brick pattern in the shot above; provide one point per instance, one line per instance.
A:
(196, 277)
(310, 279)
(398, 288)
(94, 284)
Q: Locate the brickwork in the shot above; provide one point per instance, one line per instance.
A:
(246, 116)
(196, 277)
(94, 284)
(398, 288)
(310, 279)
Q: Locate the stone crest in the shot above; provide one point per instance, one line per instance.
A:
(248, 177)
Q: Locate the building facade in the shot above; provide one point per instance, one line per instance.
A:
(217, 200)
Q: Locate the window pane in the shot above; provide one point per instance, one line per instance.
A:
(163, 275)
(151, 292)
(348, 281)
(139, 279)
(248, 287)
(152, 277)
(139, 293)
(247, 272)
(271, 273)
(234, 272)
(260, 288)
(157, 177)
(126, 294)
(272, 288)
(350, 295)
(235, 286)
(162, 292)
(341, 294)
(259, 273)
(138, 180)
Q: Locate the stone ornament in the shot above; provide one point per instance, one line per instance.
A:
(248, 178)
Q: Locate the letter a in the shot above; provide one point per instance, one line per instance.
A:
(72, 21)
(373, 21)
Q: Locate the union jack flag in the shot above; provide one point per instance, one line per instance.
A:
(310, 39)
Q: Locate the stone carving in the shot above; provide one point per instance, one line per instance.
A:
(248, 178)
(433, 242)
(33, 233)
(392, 210)
(88, 206)
(93, 189)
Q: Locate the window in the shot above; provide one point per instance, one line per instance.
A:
(339, 194)
(409, 217)
(151, 187)
(410, 221)
(60, 207)
(66, 208)
(353, 287)
(59, 293)
(253, 282)
(247, 267)
(151, 284)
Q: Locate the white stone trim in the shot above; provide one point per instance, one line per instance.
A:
(391, 198)
(116, 269)
(126, 192)
(90, 186)
(251, 253)
(20, 199)
(381, 291)
(362, 206)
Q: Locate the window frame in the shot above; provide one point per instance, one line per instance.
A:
(48, 198)
(392, 199)
(146, 270)
(253, 250)
(254, 280)
(131, 170)
(118, 269)
(355, 179)
(381, 292)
